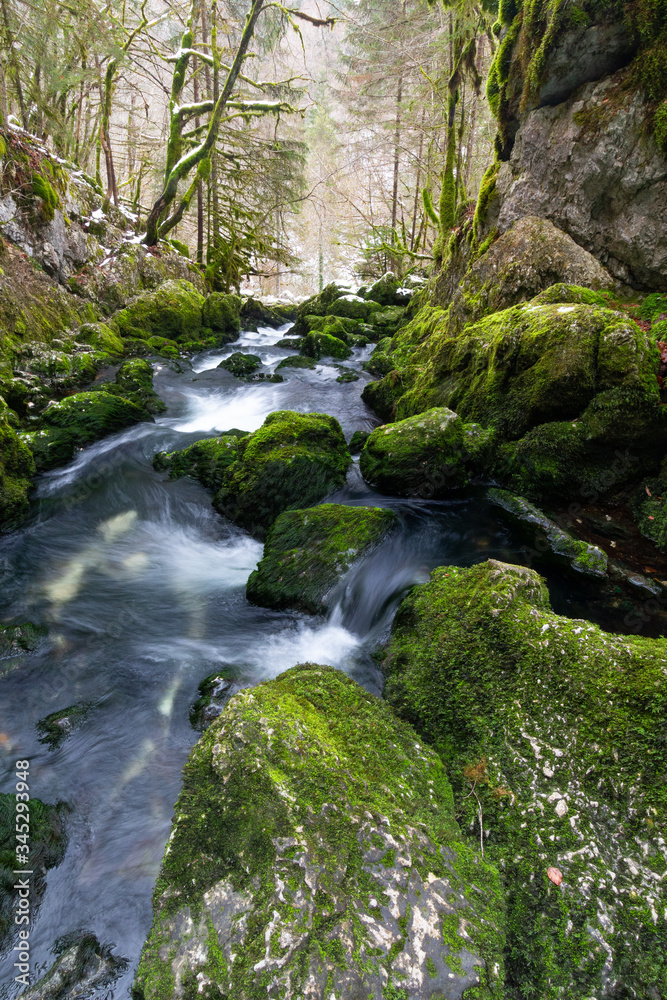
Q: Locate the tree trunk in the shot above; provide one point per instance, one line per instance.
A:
(397, 151)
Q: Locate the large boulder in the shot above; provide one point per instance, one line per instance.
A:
(308, 551)
(293, 460)
(314, 853)
(323, 345)
(134, 381)
(204, 460)
(553, 733)
(221, 314)
(425, 455)
(17, 468)
(173, 310)
(77, 421)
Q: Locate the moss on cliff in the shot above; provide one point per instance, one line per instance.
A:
(553, 735)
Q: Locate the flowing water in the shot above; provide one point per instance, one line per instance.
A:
(142, 586)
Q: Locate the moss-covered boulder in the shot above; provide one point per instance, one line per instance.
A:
(134, 381)
(214, 693)
(426, 455)
(353, 307)
(204, 460)
(385, 291)
(173, 310)
(101, 337)
(341, 327)
(77, 421)
(56, 727)
(240, 364)
(547, 537)
(316, 305)
(293, 460)
(307, 552)
(18, 639)
(255, 313)
(552, 732)
(323, 345)
(388, 320)
(220, 313)
(47, 842)
(297, 361)
(17, 468)
(357, 441)
(315, 853)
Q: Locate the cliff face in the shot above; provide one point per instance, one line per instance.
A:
(579, 92)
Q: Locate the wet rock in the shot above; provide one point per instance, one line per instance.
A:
(348, 377)
(323, 345)
(214, 693)
(552, 731)
(134, 381)
(314, 852)
(18, 639)
(173, 310)
(357, 441)
(255, 313)
(240, 364)
(308, 551)
(47, 848)
(291, 343)
(204, 460)
(57, 726)
(424, 456)
(77, 421)
(297, 361)
(581, 556)
(293, 460)
(82, 967)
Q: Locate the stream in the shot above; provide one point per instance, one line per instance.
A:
(142, 586)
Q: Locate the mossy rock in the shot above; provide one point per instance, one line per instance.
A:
(348, 377)
(564, 294)
(47, 842)
(357, 441)
(256, 313)
(314, 852)
(307, 552)
(204, 460)
(102, 337)
(548, 538)
(82, 967)
(294, 460)
(134, 381)
(56, 727)
(558, 728)
(389, 320)
(336, 326)
(385, 291)
(173, 310)
(220, 313)
(17, 468)
(18, 639)
(240, 364)
(214, 693)
(77, 421)
(424, 456)
(354, 307)
(649, 507)
(297, 361)
(291, 343)
(164, 347)
(322, 345)
(316, 305)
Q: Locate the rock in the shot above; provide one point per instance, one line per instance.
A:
(581, 556)
(221, 314)
(348, 377)
(387, 291)
(293, 460)
(425, 456)
(353, 307)
(308, 551)
(17, 468)
(18, 639)
(101, 337)
(532, 709)
(77, 421)
(256, 313)
(57, 726)
(357, 441)
(240, 364)
(340, 327)
(291, 343)
(134, 381)
(532, 256)
(297, 361)
(321, 345)
(649, 507)
(316, 305)
(388, 320)
(214, 693)
(315, 853)
(47, 842)
(83, 965)
(204, 460)
(173, 310)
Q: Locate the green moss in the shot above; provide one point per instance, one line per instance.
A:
(357, 441)
(47, 841)
(653, 306)
(204, 460)
(293, 460)
(173, 310)
(16, 471)
(134, 382)
(77, 421)
(301, 775)
(354, 307)
(562, 294)
(529, 710)
(240, 364)
(102, 337)
(297, 361)
(44, 190)
(18, 639)
(57, 726)
(308, 551)
(320, 345)
(426, 455)
(221, 314)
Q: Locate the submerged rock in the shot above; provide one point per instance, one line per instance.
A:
(204, 460)
(581, 556)
(172, 310)
(553, 735)
(18, 639)
(240, 364)
(424, 456)
(57, 726)
(314, 852)
(214, 693)
(297, 361)
(83, 966)
(307, 551)
(77, 421)
(47, 842)
(293, 460)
